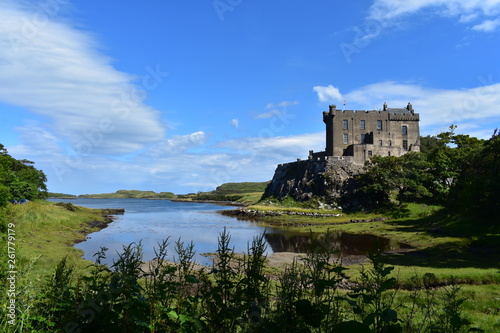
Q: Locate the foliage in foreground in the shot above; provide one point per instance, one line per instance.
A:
(235, 296)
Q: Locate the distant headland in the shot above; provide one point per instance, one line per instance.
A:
(120, 194)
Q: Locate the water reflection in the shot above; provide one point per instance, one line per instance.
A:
(346, 243)
(151, 221)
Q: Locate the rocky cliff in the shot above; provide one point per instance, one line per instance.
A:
(302, 180)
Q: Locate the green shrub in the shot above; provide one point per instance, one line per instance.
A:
(235, 296)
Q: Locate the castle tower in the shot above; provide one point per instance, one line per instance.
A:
(328, 119)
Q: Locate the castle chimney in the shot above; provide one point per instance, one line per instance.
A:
(333, 108)
(409, 107)
(385, 106)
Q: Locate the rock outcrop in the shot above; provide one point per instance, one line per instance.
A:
(330, 178)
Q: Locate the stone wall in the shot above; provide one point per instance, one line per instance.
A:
(329, 177)
(362, 134)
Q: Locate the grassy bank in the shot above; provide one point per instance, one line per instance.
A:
(47, 231)
(451, 249)
(445, 252)
(316, 295)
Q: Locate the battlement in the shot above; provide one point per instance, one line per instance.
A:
(404, 117)
(408, 111)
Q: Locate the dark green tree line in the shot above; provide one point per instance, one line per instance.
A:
(477, 188)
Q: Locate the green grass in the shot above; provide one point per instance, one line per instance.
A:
(423, 226)
(443, 245)
(48, 232)
(456, 253)
(60, 195)
(245, 187)
(482, 306)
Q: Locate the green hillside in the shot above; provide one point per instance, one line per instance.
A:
(245, 193)
(60, 195)
(131, 194)
(238, 188)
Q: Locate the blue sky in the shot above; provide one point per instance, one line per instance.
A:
(185, 95)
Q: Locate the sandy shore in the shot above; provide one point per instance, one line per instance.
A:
(282, 260)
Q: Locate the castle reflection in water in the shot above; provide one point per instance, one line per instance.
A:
(346, 243)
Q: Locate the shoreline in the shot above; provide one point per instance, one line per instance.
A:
(258, 216)
(279, 260)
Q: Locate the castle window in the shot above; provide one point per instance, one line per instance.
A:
(379, 124)
(380, 142)
(362, 124)
(405, 144)
(388, 153)
(363, 138)
(345, 124)
(404, 130)
(370, 153)
(346, 138)
(390, 143)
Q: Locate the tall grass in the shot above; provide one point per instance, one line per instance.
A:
(236, 295)
(48, 232)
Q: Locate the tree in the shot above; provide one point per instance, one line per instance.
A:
(415, 179)
(389, 179)
(19, 179)
(477, 188)
(447, 152)
(430, 144)
(4, 195)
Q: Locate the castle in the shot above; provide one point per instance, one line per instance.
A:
(352, 137)
(358, 135)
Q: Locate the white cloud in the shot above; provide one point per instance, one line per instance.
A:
(37, 142)
(281, 148)
(235, 123)
(387, 12)
(177, 144)
(438, 108)
(466, 18)
(276, 109)
(487, 26)
(267, 115)
(328, 93)
(260, 155)
(282, 104)
(55, 70)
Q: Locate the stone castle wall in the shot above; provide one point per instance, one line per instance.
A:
(362, 134)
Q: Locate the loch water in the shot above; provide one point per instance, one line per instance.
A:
(152, 221)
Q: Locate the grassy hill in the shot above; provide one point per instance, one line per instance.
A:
(244, 193)
(238, 188)
(60, 195)
(131, 194)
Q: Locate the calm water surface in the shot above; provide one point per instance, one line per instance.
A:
(152, 221)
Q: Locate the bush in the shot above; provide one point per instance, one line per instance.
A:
(235, 296)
